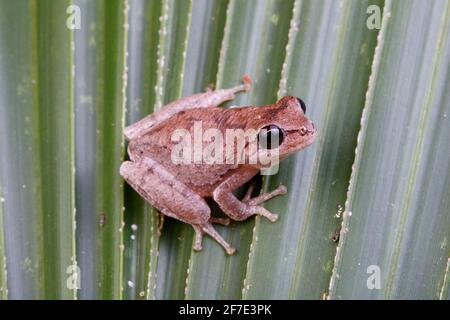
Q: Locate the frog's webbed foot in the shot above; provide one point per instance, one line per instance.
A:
(209, 229)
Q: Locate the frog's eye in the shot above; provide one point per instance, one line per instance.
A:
(302, 105)
(270, 137)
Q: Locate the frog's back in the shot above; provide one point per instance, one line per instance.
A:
(158, 145)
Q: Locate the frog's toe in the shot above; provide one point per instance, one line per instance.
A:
(198, 238)
(247, 82)
(222, 221)
(272, 217)
(209, 229)
(265, 196)
(230, 250)
(281, 189)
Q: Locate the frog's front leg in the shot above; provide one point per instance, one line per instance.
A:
(200, 100)
(241, 210)
(172, 198)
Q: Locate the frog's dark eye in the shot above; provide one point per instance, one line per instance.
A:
(270, 137)
(302, 105)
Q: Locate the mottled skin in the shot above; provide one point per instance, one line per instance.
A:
(179, 190)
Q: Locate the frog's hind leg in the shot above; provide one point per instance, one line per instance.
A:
(163, 191)
(173, 198)
(200, 100)
(209, 229)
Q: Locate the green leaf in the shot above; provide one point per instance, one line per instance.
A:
(37, 157)
(172, 46)
(204, 43)
(101, 79)
(327, 65)
(3, 273)
(213, 274)
(397, 223)
(141, 222)
(66, 95)
(205, 35)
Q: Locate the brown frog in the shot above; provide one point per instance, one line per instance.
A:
(178, 188)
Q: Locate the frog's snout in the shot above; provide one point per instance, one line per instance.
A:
(312, 131)
(308, 131)
(312, 128)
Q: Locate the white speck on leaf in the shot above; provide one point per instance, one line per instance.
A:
(274, 18)
(340, 210)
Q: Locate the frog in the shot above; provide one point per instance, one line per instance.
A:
(180, 190)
